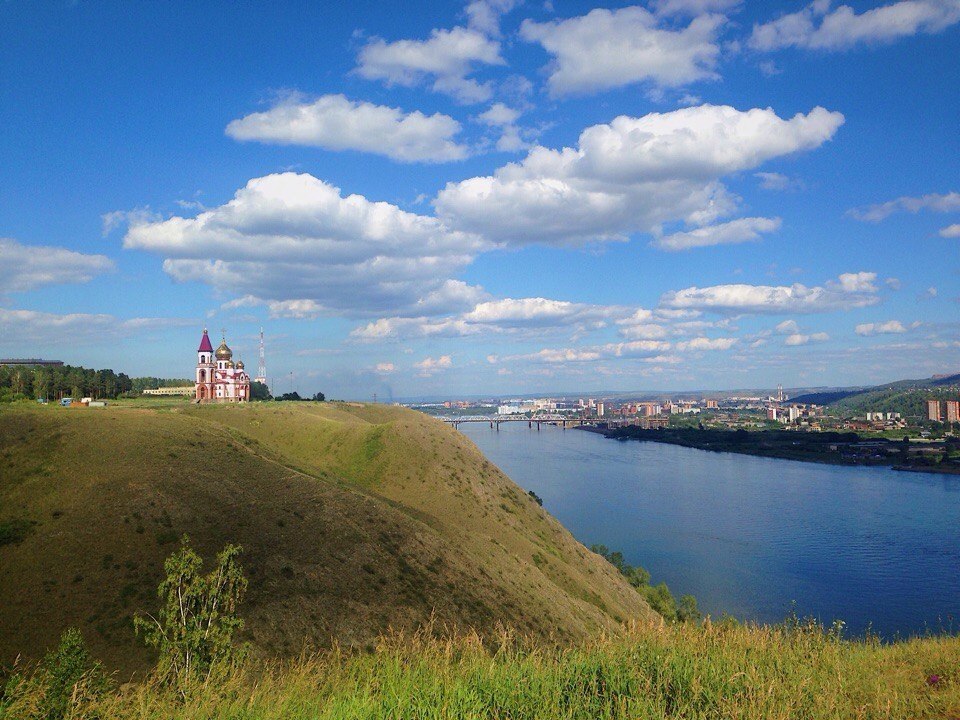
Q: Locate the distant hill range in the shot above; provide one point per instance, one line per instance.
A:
(904, 396)
(353, 519)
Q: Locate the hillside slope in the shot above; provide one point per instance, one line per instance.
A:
(353, 519)
(904, 396)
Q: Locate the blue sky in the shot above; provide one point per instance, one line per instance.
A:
(488, 197)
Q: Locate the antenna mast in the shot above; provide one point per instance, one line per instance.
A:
(262, 368)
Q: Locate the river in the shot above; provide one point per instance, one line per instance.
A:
(753, 537)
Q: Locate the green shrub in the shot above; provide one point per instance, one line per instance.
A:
(14, 531)
(197, 620)
(66, 680)
(687, 610)
(659, 596)
(661, 599)
(636, 576)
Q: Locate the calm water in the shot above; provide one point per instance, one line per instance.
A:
(750, 536)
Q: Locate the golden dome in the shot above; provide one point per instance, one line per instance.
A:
(239, 364)
(223, 352)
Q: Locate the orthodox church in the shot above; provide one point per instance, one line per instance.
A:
(219, 379)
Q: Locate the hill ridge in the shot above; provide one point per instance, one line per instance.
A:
(353, 519)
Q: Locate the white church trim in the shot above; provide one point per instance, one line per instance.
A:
(218, 378)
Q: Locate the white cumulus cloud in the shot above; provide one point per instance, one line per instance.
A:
(484, 15)
(644, 331)
(704, 343)
(116, 219)
(633, 350)
(430, 366)
(538, 311)
(337, 123)
(777, 181)
(948, 202)
(858, 282)
(536, 316)
(292, 237)
(560, 355)
(499, 115)
(413, 327)
(800, 339)
(505, 119)
(728, 233)
(633, 174)
(25, 267)
(299, 309)
(646, 351)
(26, 329)
(852, 290)
(951, 231)
(611, 48)
(817, 27)
(891, 327)
(444, 60)
(496, 316)
(693, 7)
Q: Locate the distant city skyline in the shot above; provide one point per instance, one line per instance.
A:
(489, 198)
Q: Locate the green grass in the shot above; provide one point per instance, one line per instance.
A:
(687, 671)
(361, 523)
(152, 402)
(354, 519)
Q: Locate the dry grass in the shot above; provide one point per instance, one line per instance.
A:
(354, 519)
(357, 520)
(681, 671)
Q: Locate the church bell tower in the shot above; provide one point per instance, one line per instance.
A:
(205, 369)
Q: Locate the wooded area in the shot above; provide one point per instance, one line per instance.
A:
(19, 382)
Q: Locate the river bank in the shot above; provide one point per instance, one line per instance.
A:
(830, 448)
(934, 470)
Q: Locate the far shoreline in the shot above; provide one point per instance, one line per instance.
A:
(689, 438)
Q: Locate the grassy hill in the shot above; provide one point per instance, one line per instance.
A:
(354, 520)
(904, 396)
(360, 525)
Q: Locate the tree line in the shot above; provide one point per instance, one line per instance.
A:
(27, 382)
